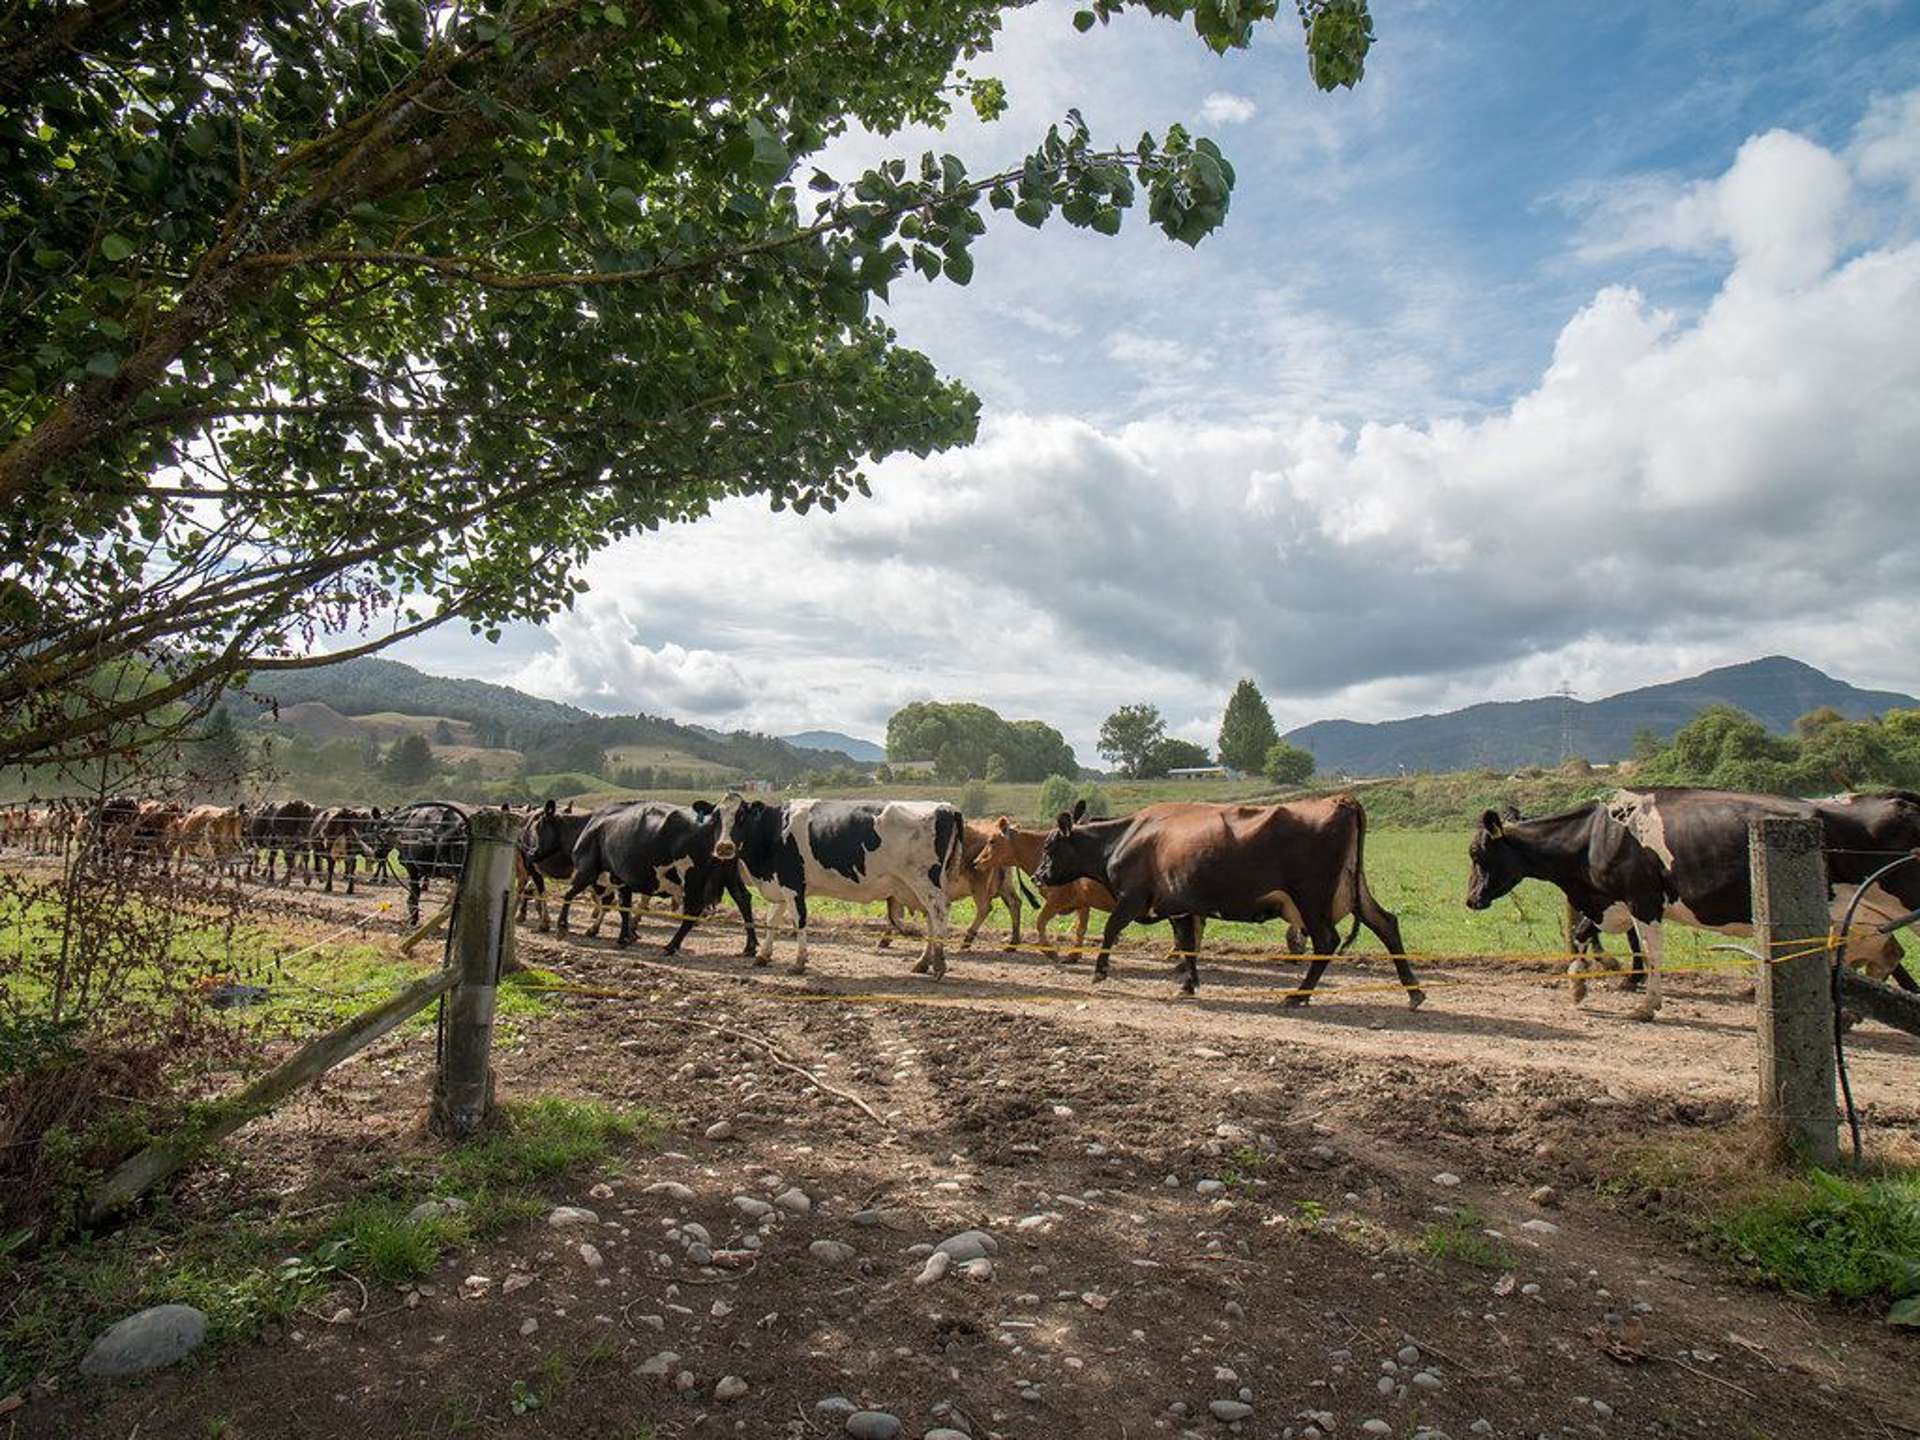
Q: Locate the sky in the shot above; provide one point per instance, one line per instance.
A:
(1579, 345)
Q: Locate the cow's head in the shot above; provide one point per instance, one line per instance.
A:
(1496, 863)
(542, 835)
(726, 820)
(997, 853)
(1070, 852)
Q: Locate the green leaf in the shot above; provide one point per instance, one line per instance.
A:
(959, 267)
(1032, 211)
(1905, 1312)
(1000, 198)
(103, 363)
(616, 16)
(1083, 20)
(116, 247)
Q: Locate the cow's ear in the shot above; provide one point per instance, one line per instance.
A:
(1490, 822)
(1509, 813)
(703, 808)
(569, 807)
(1079, 810)
(376, 812)
(547, 809)
(1064, 821)
(1004, 824)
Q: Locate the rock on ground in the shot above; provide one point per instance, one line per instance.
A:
(146, 1341)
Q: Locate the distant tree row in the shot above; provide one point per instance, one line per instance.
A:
(971, 742)
(1728, 749)
(1135, 738)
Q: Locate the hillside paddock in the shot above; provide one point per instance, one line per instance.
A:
(1191, 1199)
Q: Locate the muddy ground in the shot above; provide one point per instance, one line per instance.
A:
(1076, 1125)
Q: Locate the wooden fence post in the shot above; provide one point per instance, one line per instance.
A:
(480, 948)
(1795, 997)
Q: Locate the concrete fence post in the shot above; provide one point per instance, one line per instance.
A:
(480, 949)
(1795, 996)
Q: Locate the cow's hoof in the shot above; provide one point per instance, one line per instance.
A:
(1099, 976)
(1416, 998)
(923, 967)
(750, 951)
(1189, 989)
(542, 929)
(1293, 1002)
(799, 967)
(967, 943)
(623, 942)
(1643, 1013)
(1634, 982)
(939, 968)
(762, 960)
(886, 942)
(671, 951)
(1579, 992)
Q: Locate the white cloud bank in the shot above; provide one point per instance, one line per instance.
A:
(1671, 492)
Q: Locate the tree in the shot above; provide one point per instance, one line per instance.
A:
(319, 317)
(1128, 736)
(410, 762)
(1286, 764)
(924, 729)
(1247, 731)
(951, 763)
(220, 759)
(1056, 794)
(996, 766)
(1173, 753)
(443, 734)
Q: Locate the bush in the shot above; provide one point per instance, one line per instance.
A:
(974, 800)
(1099, 805)
(1056, 794)
(1831, 1235)
(1288, 764)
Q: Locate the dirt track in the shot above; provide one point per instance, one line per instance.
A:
(1017, 1089)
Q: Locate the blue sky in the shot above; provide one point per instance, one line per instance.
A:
(1573, 346)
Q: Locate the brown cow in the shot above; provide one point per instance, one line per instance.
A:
(213, 833)
(1186, 861)
(972, 878)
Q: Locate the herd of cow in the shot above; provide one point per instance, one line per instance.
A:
(1627, 864)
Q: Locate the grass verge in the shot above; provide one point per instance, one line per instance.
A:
(247, 1271)
(1462, 1237)
(1838, 1237)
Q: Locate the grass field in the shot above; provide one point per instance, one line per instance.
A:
(662, 757)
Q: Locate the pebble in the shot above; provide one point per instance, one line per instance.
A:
(1603, 1410)
(1210, 1187)
(672, 1189)
(562, 1216)
(684, 1381)
(1427, 1380)
(1408, 1355)
(1375, 1427)
(1530, 1289)
(1446, 1179)
(529, 1325)
(519, 1280)
(1545, 1196)
(1031, 1395)
(934, 1269)
(657, 1366)
(731, 1387)
(979, 1270)
(1384, 1384)
(1235, 1310)
(1481, 1427)
(873, 1425)
(602, 1191)
(751, 1208)
(699, 1254)
(831, 1252)
(969, 1245)
(1540, 1227)
(720, 1130)
(434, 1209)
(1228, 1411)
(591, 1257)
(146, 1340)
(476, 1285)
(835, 1405)
(941, 1432)
(794, 1201)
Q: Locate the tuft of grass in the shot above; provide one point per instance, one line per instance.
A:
(1833, 1236)
(382, 1244)
(541, 1140)
(1462, 1236)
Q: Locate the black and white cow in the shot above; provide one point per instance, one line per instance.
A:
(655, 848)
(865, 850)
(1641, 858)
(429, 838)
(546, 853)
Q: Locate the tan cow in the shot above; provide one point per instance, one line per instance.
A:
(982, 882)
(211, 833)
(1009, 847)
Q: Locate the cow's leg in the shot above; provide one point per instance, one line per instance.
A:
(764, 956)
(352, 859)
(933, 957)
(1186, 939)
(1636, 977)
(799, 966)
(1080, 919)
(1010, 897)
(414, 880)
(1048, 909)
(602, 903)
(1117, 920)
(1385, 926)
(1651, 940)
(687, 923)
(743, 902)
(625, 937)
(984, 889)
(1325, 939)
(893, 925)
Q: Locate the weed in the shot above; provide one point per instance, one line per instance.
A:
(1462, 1236)
(544, 1140)
(522, 1400)
(1830, 1235)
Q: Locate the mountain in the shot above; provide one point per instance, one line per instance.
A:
(553, 736)
(1501, 735)
(865, 751)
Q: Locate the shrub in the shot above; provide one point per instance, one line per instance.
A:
(1287, 764)
(1099, 805)
(974, 800)
(1056, 794)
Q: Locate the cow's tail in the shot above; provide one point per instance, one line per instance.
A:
(949, 840)
(1021, 881)
(1361, 899)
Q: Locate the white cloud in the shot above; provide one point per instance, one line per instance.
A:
(1886, 147)
(1223, 107)
(1670, 492)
